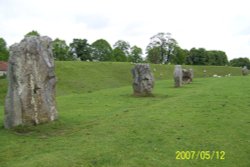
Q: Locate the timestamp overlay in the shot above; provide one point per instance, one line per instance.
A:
(200, 155)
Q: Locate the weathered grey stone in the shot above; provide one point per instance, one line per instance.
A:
(192, 74)
(244, 70)
(143, 82)
(178, 75)
(31, 92)
(187, 76)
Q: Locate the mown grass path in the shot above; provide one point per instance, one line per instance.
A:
(112, 128)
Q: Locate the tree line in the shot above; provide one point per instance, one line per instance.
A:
(162, 49)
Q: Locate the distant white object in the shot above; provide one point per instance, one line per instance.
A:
(216, 76)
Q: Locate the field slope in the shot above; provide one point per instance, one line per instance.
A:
(111, 128)
(84, 77)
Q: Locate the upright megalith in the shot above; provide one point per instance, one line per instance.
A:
(191, 71)
(31, 92)
(244, 70)
(143, 80)
(187, 75)
(178, 76)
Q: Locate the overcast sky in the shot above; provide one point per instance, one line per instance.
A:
(211, 24)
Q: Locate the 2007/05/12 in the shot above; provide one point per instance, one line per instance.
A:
(203, 155)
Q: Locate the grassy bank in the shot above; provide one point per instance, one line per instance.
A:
(83, 77)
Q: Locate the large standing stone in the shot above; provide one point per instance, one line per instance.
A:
(178, 75)
(31, 92)
(187, 75)
(244, 70)
(143, 80)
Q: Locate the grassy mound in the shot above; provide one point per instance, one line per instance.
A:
(84, 77)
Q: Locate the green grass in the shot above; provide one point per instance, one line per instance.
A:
(112, 128)
(3, 90)
(84, 77)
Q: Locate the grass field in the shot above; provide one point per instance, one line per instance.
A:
(84, 77)
(111, 128)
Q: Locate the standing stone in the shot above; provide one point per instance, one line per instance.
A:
(143, 80)
(244, 70)
(204, 73)
(191, 74)
(187, 76)
(31, 92)
(178, 76)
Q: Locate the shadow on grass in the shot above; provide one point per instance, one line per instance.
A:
(48, 129)
(151, 96)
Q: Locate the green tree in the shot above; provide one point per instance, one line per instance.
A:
(240, 62)
(203, 57)
(165, 43)
(179, 56)
(119, 55)
(32, 33)
(4, 53)
(80, 48)
(135, 55)
(197, 57)
(218, 58)
(61, 50)
(102, 50)
(154, 55)
(123, 46)
(211, 59)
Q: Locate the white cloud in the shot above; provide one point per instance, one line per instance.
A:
(212, 24)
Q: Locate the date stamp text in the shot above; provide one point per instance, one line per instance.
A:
(201, 155)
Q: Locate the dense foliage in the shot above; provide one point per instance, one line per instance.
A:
(165, 49)
(80, 48)
(203, 57)
(4, 53)
(101, 50)
(165, 45)
(240, 62)
(61, 50)
(162, 48)
(135, 55)
(123, 46)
